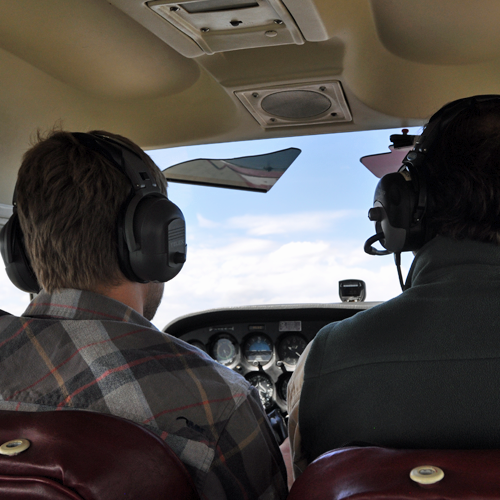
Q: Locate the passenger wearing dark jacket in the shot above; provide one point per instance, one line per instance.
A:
(421, 370)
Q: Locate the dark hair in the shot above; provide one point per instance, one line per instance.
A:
(464, 175)
(69, 198)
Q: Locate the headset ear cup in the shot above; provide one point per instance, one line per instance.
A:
(397, 198)
(123, 250)
(157, 251)
(151, 232)
(17, 263)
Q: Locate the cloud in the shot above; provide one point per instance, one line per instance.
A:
(258, 271)
(206, 223)
(262, 225)
(249, 271)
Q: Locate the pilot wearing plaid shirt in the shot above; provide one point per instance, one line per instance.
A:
(86, 342)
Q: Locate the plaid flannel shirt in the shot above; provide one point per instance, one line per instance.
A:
(79, 350)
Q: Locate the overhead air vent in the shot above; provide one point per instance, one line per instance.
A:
(223, 25)
(313, 103)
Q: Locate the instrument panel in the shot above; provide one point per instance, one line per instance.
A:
(263, 344)
(255, 350)
(265, 354)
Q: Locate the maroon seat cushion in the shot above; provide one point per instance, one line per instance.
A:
(384, 474)
(87, 455)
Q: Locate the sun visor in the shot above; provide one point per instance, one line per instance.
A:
(250, 173)
(387, 163)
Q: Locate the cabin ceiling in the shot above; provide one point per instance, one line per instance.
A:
(121, 66)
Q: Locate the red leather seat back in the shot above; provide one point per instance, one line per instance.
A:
(384, 474)
(91, 456)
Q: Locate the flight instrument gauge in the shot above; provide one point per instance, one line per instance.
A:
(258, 349)
(224, 350)
(265, 387)
(290, 348)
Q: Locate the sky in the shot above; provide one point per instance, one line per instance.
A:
(290, 245)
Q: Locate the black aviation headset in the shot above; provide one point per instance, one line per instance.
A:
(401, 205)
(151, 231)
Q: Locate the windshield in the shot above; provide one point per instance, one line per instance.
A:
(291, 245)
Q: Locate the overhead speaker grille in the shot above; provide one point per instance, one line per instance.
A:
(297, 105)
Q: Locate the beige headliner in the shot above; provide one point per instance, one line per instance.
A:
(87, 64)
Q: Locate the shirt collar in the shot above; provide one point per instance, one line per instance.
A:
(83, 305)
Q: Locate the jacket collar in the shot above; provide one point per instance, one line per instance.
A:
(448, 259)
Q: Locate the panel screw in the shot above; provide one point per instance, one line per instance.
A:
(272, 119)
(333, 114)
(278, 21)
(205, 30)
(255, 95)
(174, 9)
(322, 89)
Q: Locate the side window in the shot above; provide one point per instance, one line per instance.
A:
(12, 300)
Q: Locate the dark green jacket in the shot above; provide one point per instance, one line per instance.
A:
(419, 371)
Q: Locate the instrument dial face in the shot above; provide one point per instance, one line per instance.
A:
(290, 349)
(224, 350)
(258, 349)
(265, 388)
